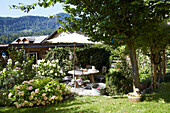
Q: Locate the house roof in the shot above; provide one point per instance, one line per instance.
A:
(55, 33)
(31, 39)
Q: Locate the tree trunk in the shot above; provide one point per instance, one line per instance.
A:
(160, 72)
(155, 74)
(163, 64)
(152, 65)
(155, 67)
(134, 63)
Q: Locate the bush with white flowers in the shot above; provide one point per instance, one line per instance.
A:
(62, 55)
(43, 91)
(17, 73)
(49, 69)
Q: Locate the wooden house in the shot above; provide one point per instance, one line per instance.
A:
(39, 45)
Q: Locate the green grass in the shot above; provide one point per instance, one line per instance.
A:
(157, 102)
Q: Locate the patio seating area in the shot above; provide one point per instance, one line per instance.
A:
(83, 80)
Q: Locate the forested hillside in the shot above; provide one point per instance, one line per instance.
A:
(12, 28)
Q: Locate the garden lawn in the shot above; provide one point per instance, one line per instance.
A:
(157, 102)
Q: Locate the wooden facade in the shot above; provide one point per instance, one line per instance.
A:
(38, 44)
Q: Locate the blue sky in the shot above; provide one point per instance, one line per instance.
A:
(5, 10)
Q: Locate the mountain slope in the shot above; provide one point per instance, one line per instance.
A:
(12, 28)
(10, 25)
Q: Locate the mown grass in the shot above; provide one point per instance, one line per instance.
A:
(157, 102)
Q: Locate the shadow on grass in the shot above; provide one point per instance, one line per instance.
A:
(118, 97)
(160, 94)
(67, 106)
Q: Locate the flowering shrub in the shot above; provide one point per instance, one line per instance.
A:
(36, 92)
(49, 69)
(62, 55)
(17, 69)
(16, 74)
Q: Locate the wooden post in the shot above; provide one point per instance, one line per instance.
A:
(74, 66)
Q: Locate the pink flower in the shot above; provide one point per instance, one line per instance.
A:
(98, 87)
(30, 87)
(36, 90)
(53, 97)
(18, 68)
(30, 81)
(25, 82)
(44, 94)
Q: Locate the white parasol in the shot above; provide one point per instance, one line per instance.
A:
(72, 38)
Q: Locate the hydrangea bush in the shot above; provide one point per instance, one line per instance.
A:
(62, 55)
(49, 69)
(37, 92)
(16, 74)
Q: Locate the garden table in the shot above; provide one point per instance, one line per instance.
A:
(90, 73)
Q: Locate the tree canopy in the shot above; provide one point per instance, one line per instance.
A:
(108, 20)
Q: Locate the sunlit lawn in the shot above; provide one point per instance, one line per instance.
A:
(158, 102)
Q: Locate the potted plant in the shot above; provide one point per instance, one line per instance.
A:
(135, 96)
(98, 89)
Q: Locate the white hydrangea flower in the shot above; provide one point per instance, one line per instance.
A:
(9, 61)
(53, 61)
(57, 60)
(45, 64)
(9, 95)
(58, 67)
(51, 71)
(16, 63)
(48, 62)
(39, 72)
(40, 61)
(4, 70)
(55, 74)
(54, 65)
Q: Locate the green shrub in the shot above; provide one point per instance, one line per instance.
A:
(37, 92)
(119, 81)
(4, 101)
(167, 77)
(93, 56)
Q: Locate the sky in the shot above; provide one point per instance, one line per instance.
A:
(5, 10)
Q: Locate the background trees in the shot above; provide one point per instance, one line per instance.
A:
(155, 39)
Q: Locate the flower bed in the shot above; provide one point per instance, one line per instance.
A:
(37, 92)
